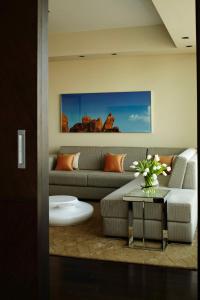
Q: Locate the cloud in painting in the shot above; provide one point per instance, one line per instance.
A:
(143, 117)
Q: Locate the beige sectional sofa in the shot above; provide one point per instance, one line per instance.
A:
(182, 204)
(91, 182)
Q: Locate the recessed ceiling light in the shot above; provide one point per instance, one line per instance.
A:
(185, 37)
(81, 55)
(188, 46)
(114, 54)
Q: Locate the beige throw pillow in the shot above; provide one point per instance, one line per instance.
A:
(76, 159)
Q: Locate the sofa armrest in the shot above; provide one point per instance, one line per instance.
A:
(52, 161)
(190, 179)
(179, 169)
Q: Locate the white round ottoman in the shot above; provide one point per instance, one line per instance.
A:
(68, 210)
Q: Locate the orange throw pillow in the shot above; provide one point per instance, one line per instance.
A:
(114, 162)
(65, 162)
(168, 160)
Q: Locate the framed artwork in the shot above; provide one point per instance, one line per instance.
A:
(106, 112)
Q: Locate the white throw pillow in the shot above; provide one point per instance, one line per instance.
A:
(76, 159)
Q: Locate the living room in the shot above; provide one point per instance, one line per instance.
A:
(25, 260)
(107, 47)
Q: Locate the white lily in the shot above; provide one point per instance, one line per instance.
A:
(144, 174)
(133, 167)
(146, 170)
(136, 174)
(164, 165)
(169, 169)
(158, 167)
(154, 176)
(164, 173)
(149, 156)
(135, 163)
(156, 157)
(154, 168)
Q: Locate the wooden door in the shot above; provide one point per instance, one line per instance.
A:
(23, 192)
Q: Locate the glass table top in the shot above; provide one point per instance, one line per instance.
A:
(148, 193)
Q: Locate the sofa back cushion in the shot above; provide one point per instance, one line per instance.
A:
(52, 161)
(166, 154)
(190, 178)
(179, 170)
(90, 157)
(165, 151)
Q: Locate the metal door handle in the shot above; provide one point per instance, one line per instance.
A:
(21, 137)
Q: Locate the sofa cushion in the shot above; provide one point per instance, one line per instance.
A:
(178, 172)
(113, 206)
(74, 178)
(76, 160)
(114, 162)
(132, 154)
(65, 162)
(90, 157)
(181, 204)
(119, 227)
(190, 179)
(109, 179)
(169, 161)
(52, 161)
(182, 232)
(162, 151)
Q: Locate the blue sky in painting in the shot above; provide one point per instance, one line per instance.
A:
(132, 110)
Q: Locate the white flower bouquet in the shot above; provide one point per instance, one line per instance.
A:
(150, 168)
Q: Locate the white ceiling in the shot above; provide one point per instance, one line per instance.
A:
(99, 27)
(179, 19)
(89, 15)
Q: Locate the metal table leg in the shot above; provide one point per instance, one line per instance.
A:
(130, 225)
(164, 226)
(143, 226)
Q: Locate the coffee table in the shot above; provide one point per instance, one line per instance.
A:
(153, 195)
(68, 210)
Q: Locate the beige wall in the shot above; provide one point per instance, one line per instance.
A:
(171, 78)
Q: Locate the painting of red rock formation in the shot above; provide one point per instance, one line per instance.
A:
(64, 123)
(106, 112)
(95, 125)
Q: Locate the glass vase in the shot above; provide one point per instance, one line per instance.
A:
(149, 182)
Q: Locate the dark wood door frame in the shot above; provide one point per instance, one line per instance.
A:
(42, 151)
